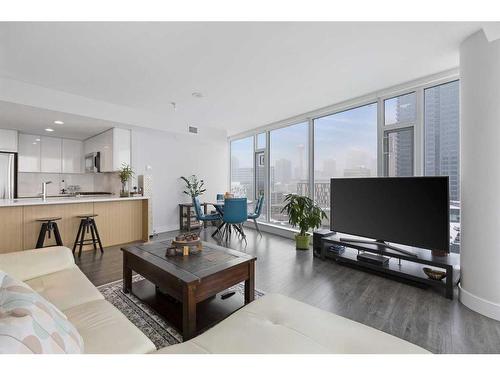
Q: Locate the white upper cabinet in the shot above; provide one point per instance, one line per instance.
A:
(51, 155)
(8, 140)
(113, 146)
(29, 153)
(121, 148)
(72, 156)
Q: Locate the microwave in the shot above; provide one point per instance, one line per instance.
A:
(93, 162)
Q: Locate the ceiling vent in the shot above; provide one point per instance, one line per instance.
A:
(192, 129)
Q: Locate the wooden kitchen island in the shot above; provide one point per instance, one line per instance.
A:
(119, 220)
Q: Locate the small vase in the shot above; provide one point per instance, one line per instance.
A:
(124, 191)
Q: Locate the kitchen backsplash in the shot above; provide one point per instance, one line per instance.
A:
(29, 184)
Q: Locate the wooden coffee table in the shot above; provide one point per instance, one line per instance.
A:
(189, 279)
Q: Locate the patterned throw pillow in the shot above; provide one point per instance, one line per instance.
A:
(31, 324)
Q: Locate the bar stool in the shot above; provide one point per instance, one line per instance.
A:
(49, 225)
(87, 224)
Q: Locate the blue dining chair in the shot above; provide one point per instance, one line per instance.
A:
(235, 214)
(255, 215)
(201, 216)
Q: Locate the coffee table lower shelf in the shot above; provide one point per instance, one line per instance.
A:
(208, 313)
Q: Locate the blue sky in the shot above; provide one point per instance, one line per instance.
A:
(335, 137)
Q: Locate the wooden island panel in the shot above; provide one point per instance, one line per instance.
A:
(68, 225)
(11, 230)
(120, 222)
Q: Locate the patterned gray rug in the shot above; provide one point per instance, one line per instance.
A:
(153, 325)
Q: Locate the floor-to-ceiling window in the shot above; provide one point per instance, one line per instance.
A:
(442, 146)
(289, 169)
(345, 145)
(242, 167)
(400, 133)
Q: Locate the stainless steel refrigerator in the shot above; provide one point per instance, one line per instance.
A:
(8, 175)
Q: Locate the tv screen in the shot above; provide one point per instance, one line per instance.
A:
(411, 211)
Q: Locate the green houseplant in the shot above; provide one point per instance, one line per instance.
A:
(125, 173)
(304, 214)
(194, 187)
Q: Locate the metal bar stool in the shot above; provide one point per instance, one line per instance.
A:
(87, 225)
(49, 225)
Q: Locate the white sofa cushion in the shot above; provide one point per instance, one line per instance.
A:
(106, 330)
(278, 324)
(66, 288)
(30, 324)
(29, 264)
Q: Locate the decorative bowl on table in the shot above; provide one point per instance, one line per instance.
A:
(434, 274)
(185, 244)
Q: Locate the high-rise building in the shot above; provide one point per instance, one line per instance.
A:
(400, 151)
(442, 141)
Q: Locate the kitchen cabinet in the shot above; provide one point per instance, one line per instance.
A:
(113, 146)
(72, 156)
(51, 154)
(8, 140)
(29, 157)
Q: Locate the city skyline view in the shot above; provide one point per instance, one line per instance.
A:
(345, 145)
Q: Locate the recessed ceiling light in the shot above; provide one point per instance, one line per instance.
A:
(197, 94)
(59, 122)
(34, 143)
(38, 139)
(49, 130)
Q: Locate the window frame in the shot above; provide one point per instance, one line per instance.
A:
(418, 86)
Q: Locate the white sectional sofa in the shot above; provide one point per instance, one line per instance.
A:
(272, 324)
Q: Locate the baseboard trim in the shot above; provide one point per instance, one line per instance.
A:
(166, 228)
(273, 229)
(478, 304)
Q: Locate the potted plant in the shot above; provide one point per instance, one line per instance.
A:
(194, 187)
(125, 173)
(304, 214)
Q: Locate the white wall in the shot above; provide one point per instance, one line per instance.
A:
(480, 174)
(172, 155)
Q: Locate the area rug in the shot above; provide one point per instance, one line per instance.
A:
(153, 325)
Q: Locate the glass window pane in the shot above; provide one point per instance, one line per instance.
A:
(401, 109)
(289, 166)
(442, 146)
(242, 157)
(260, 182)
(398, 153)
(345, 145)
(261, 140)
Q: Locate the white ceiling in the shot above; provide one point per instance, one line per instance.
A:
(251, 73)
(33, 120)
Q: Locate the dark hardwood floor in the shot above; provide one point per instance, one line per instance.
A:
(421, 316)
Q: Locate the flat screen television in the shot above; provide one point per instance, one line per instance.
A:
(412, 211)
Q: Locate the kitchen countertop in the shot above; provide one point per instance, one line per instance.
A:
(63, 200)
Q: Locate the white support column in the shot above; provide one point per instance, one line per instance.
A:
(480, 174)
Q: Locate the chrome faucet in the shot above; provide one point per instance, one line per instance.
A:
(44, 189)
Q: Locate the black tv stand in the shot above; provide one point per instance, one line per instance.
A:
(406, 266)
(380, 243)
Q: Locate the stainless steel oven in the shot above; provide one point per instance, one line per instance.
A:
(93, 162)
